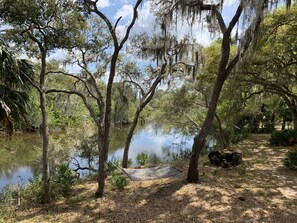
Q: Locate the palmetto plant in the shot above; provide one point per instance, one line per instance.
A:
(14, 86)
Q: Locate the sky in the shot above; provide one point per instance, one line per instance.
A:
(145, 23)
(115, 9)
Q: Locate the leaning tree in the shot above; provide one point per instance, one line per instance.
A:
(249, 13)
(174, 59)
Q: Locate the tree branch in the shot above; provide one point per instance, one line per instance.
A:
(89, 107)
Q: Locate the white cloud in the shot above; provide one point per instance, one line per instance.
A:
(103, 3)
(126, 12)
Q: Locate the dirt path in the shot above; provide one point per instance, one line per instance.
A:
(260, 190)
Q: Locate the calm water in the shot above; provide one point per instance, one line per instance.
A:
(21, 157)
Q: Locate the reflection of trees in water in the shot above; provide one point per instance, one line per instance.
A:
(20, 152)
(118, 136)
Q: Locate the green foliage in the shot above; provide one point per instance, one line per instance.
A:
(34, 192)
(9, 194)
(124, 105)
(240, 135)
(283, 138)
(118, 181)
(14, 88)
(63, 180)
(113, 164)
(291, 159)
(142, 158)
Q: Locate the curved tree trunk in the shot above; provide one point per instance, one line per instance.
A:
(200, 139)
(129, 138)
(146, 99)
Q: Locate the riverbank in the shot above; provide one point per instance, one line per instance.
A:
(260, 190)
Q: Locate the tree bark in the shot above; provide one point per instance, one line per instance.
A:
(146, 99)
(44, 131)
(102, 170)
(129, 138)
(103, 139)
(295, 119)
(200, 139)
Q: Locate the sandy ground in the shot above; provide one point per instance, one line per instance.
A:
(260, 190)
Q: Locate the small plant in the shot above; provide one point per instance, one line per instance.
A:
(63, 180)
(33, 192)
(291, 159)
(142, 158)
(113, 164)
(284, 138)
(130, 161)
(118, 181)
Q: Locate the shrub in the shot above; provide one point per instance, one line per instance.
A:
(118, 181)
(142, 158)
(291, 159)
(34, 193)
(113, 164)
(9, 194)
(240, 135)
(283, 138)
(63, 180)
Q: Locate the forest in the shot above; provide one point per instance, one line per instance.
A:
(93, 88)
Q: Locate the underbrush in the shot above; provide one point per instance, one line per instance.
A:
(283, 138)
(291, 159)
(32, 193)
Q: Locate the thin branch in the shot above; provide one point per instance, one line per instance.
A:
(76, 77)
(82, 96)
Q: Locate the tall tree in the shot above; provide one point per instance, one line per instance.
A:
(41, 26)
(250, 11)
(99, 56)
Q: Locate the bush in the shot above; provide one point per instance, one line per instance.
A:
(34, 193)
(9, 195)
(118, 181)
(283, 138)
(291, 159)
(63, 180)
(240, 135)
(142, 158)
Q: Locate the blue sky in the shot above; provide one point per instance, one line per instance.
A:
(145, 23)
(113, 9)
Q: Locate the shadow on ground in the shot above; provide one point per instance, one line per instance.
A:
(261, 190)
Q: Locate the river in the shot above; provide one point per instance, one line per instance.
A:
(21, 157)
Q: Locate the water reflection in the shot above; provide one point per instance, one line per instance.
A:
(19, 165)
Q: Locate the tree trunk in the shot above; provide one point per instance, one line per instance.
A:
(284, 124)
(200, 139)
(295, 120)
(44, 131)
(129, 138)
(102, 170)
(104, 128)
